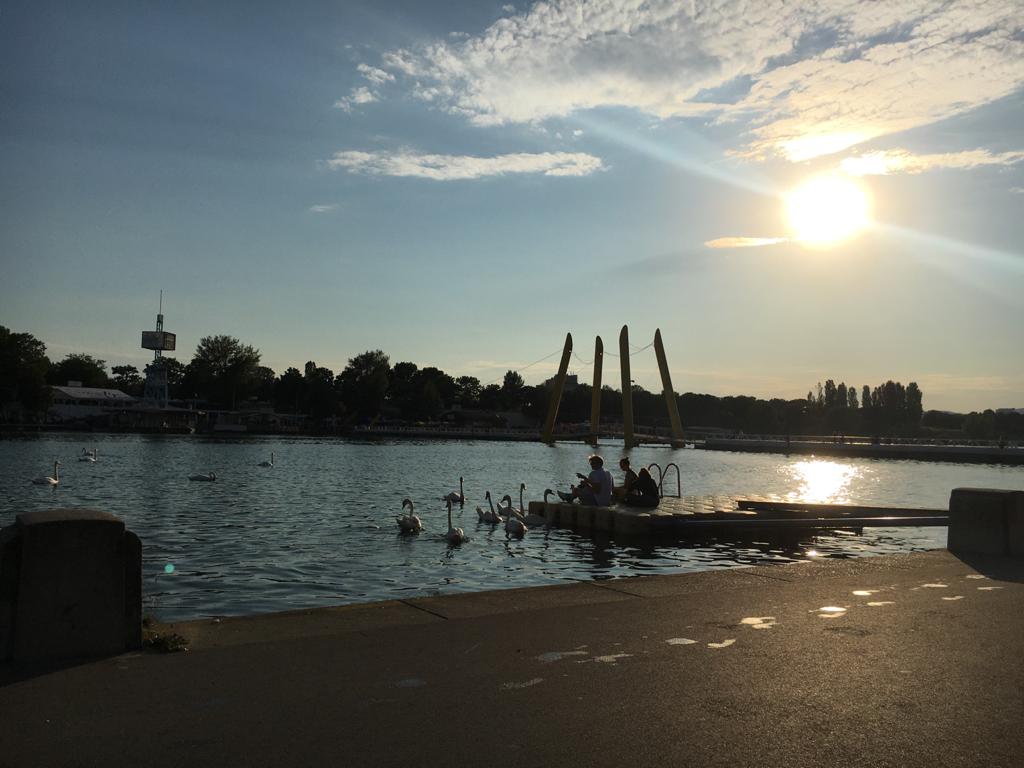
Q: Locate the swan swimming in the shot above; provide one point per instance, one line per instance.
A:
(267, 463)
(529, 518)
(454, 535)
(489, 516)
(456, 498)
(508, 509)
(513, 525)
(55, 480)
(88, 456)
(409, 523)
(209, 477)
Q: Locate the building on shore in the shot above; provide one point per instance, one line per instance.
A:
(74, 403)
(101, 408)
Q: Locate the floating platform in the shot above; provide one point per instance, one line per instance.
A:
(703, 515)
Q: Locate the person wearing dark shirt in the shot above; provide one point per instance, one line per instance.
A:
(628, 479)
(644, 492)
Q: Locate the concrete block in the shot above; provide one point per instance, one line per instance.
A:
(585, 518)
(132, 592)
(632, 522)
(10, 565)
(1015, 527)
(603, 519)
(77, 589)
(979, 520)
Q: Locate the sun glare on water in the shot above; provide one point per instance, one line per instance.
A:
(827, 210)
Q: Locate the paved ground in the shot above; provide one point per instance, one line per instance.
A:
(907, 660)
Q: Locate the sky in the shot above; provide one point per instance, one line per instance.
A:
(460, 184)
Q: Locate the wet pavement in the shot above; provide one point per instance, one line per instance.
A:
(901, 660)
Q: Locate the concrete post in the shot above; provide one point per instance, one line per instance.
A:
(986, 522)
(556, 392)
(627, 389)
(595, 397)
(670, 395)
(70, 586)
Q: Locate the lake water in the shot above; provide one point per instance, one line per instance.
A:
(318, 528)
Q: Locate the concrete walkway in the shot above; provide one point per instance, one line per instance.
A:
(904, 660)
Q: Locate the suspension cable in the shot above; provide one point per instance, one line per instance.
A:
(525, 368)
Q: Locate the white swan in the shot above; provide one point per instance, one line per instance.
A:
(508, 508)
(267, 463)
(409, 523)
(55, 480)
(454, 535)
(87, 456)
(209, 477)
(523, 513)
(456, 498)
(513, 525)
(489, 516)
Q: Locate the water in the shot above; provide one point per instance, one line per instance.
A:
(318, 528)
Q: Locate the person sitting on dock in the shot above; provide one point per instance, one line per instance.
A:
(644, 492)
(594, 490)
(628, 480)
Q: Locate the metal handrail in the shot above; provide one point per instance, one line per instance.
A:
(679, 479)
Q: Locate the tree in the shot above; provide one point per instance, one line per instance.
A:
(364, 382)
(289, 392)
(23, 369)
(830, 394)
(79, 367)
(321, 398)
(512, 391)
(223, 370)
(914, 400)
(264, 382)
(467, 391)
(490, 397)
(127, 379)
(403, 389)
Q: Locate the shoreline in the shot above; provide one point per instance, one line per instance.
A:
(1012, 455)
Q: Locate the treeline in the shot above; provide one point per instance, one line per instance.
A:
(225, 373)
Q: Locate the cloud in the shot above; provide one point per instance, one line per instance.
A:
(803, 79)
(325, 208)
(374, 75)
(953, 382)
(1017, 190)
(459, 167)
(360, 95)
(891, 161)
(744, 242)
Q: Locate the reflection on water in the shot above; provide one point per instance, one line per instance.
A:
(318, 528)
(822, 481)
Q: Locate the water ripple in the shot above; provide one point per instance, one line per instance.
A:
(318, 528)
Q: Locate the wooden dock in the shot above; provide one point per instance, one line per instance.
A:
(734, 514)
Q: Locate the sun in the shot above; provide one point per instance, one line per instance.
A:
(828, 209)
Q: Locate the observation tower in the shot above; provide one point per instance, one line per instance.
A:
(160, 341)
